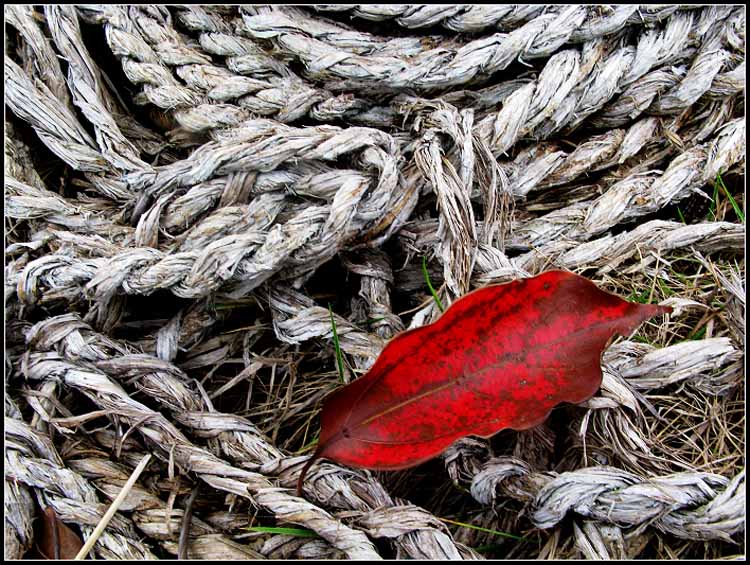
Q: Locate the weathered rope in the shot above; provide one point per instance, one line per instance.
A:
(442, 67)
(687, 505)
(241, 441)
(168, 442)
(600, 20)
(32, 460)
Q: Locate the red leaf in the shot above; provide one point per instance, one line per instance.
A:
(500, 357)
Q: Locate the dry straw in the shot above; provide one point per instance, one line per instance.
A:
(188, 189)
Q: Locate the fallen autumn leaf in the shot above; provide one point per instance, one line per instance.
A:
(500, 357)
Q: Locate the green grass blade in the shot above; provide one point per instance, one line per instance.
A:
(679, 213)
(429, 284)
(732, 201)
(640, 297)
(313, 443)
(666, 291)
(714, 204)
(479, 528)
(299, 532)
(339, 357)
(698, 335)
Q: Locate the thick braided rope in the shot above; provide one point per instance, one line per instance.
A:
(640, 193)
(60, 131)
(550, 167)
(241, 441)
(260, 145)
(53, 121)
(442, 67)
(145, 65)
(90, 94)
(605, 253)
(501, 131)
(31, 459)
(312, 179)
(307, 239)
(434, 68)
(117, 132)
(690, 505)
(18, 164)
(573, 85)
(287, 101)
(637, 194)
(340, 36)
(21, 18)
(455, 18)
(26, 202)
(168, 442)
(600, 20)
(150, 48)
(686, 174)
(17, 503)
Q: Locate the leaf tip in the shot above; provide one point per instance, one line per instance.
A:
(663, 309)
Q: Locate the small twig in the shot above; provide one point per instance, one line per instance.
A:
(182, 548)
(116, 503)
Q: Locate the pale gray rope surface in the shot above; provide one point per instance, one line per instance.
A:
(77, 343)
(574, 85)
(242, 56)
(636, 195)
(31, 459)
(501, 131)
(688, 505)
(441, 67)
(93, 98)
(601, 20)
(254, 256)
(89, 92)
(17, 503)
(127, 30)
(44, 59)
(641, 193)
(60, 131)
(151, 47)
(167, 442)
